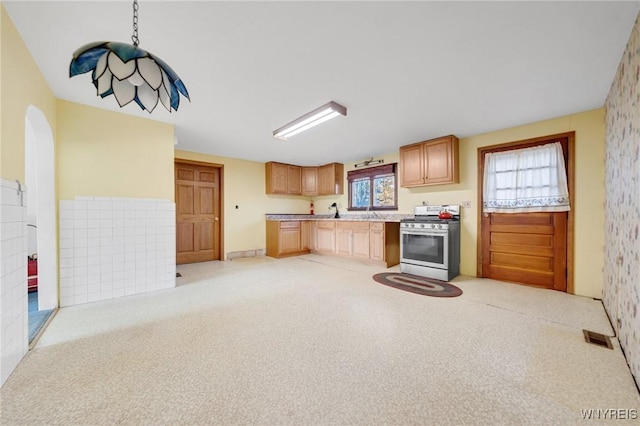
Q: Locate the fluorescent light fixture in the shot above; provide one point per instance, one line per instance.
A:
(307, 121)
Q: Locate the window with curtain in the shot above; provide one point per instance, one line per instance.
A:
(373, 188)
(526, 180)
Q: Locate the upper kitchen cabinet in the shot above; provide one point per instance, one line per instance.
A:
(309, 181)
(283, 178)
(331, 179)
(432, 162)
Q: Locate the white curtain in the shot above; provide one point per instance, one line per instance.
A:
(526, 180)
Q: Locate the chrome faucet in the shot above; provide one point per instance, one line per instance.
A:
(371, 214)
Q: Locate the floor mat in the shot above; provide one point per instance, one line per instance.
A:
(417, 284)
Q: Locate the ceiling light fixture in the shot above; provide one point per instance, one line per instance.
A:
(309, 120)
(369, 162)
(129, 73)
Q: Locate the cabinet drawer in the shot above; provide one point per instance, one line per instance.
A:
(323, 224)
(377, 226)
(289, 224)
(353, 225)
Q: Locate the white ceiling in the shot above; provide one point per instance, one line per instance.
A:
(406, 71)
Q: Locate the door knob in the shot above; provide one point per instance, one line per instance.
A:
(216, 218)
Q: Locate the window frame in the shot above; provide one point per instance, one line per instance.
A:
(371, 173)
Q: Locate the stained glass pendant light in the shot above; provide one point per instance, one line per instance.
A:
(129, 73)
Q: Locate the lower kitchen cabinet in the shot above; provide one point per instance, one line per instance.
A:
(326, 236)
(385, 242)
(285, 238)
(352, 239)
(374, 242)
(305, 234)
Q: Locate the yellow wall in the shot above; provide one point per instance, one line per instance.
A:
(110, 154)
(21, 85)
(588, 205)
(104, 153)
(589, 191)
(244, 186)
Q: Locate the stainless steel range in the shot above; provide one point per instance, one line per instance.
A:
(429, 245)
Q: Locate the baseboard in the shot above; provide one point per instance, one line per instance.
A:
(245, 253)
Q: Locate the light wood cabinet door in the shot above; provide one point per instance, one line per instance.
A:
(290, 241)
(294, 180)
(439, 162)
(360, 243)
(343, 241)
(305, 235)
(331, 179)
(309, 181)
(376, 245)
(276, 178)
(326, 237)
(411, 165)
(313, 235)
(432, 162)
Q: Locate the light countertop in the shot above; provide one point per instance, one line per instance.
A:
(361, 217)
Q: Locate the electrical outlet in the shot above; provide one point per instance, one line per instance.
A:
(466, 204)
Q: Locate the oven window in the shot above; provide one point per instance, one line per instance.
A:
(423, 248)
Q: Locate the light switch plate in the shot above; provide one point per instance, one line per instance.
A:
(466, 204)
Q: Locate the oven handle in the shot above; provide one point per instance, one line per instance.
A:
(414, 231)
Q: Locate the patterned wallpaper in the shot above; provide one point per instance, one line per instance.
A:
(621, 290)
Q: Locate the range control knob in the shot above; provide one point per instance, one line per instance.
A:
(422, 225)
(439, 226)
(433, 226)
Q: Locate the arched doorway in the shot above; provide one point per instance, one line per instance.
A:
(40, 173)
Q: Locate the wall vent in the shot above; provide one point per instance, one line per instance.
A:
(597, 339)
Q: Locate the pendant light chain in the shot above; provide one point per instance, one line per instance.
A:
(134, 37)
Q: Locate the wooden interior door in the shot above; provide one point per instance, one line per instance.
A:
(197, 213)
(528, 248)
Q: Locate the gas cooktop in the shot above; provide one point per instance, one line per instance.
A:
(429, 220)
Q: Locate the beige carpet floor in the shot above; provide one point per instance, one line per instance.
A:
(314, 340)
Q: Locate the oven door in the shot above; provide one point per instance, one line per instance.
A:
(425, 247)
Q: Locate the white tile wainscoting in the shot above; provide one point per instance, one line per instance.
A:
(114, 247)
(14, 320)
